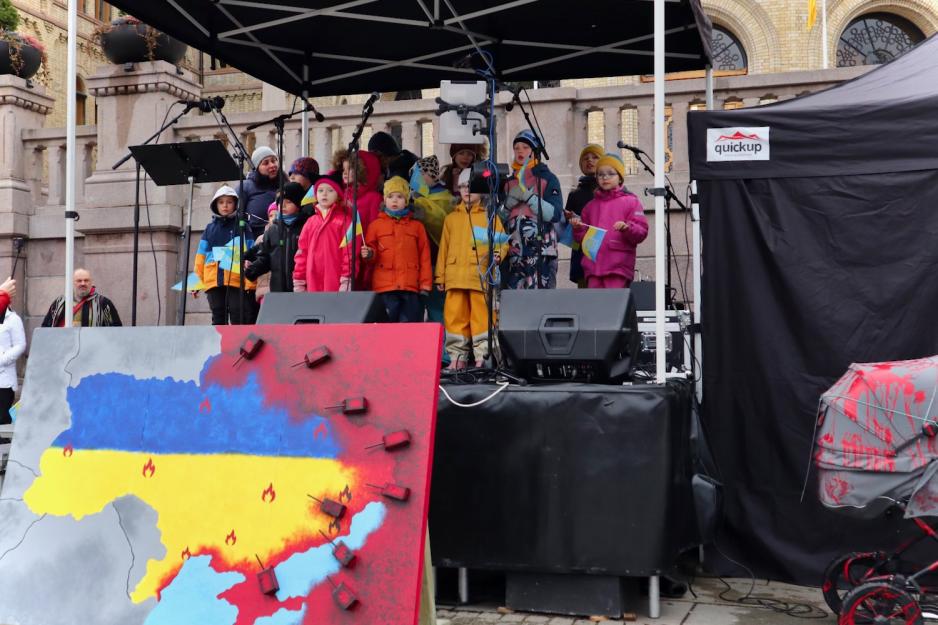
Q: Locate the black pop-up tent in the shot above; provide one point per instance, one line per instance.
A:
(328, 47)
(820, 222)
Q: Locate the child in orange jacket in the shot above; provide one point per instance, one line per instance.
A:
(397, 247)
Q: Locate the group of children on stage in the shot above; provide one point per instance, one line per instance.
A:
(421, 242)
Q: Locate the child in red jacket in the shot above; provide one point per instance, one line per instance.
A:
(323, 255)
(397, 247)
(621, 215)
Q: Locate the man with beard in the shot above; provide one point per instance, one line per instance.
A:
(88, 308)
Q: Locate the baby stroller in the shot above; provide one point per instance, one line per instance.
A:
(876, 449)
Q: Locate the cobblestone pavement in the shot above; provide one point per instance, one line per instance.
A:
(707, 609)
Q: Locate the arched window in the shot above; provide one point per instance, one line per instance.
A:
(81, 102)
(876, 38)
(728, 52)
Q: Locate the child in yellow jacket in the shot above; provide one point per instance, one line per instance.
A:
(462, 272)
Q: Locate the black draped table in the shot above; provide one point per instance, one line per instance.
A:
(568, 488)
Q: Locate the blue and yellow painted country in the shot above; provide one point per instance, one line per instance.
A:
(218, 485)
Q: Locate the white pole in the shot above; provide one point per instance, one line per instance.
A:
(709, 88)
(304, 133)
(824, 51)
(660, 255)
(70, 157)
(698, 343)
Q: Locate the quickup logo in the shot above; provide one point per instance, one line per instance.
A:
(738, 144)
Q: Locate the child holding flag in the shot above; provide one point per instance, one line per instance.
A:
(462, 271)
(609, 230)
(323, 256)
(218, 263)
(396, 245)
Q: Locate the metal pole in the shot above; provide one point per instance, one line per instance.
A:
(187, 243)
(698, 343)
(824, 51)
(709, 88)
(70, 157)
(654, 596)
(660, 270)
(304, 119)
(133, 288)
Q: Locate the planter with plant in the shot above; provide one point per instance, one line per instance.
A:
(20, 55)
(128, 40)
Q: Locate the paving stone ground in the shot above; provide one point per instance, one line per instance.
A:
(708, 608)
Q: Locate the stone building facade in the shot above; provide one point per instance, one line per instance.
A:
(775, 57)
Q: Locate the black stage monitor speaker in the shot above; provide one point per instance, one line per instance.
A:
(569, 334)
(294, 308)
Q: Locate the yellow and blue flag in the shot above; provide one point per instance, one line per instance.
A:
(310, 197)
(348, 233)
(480, 233)
(193, 284)
(592, 242)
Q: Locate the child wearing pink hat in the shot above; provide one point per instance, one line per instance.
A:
(323, 257)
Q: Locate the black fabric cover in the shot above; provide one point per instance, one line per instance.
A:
(821, 256)
(563, 478)
(329, 44)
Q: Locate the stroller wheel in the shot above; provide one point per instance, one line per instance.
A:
(880, 603)
(848, 571)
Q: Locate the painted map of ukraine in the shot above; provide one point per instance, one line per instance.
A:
(227, 475)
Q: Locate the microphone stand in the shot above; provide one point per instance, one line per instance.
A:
(353, 147)
(278, 123)
(133, 296)
(669, 195)
(241, 156)
(516, 100)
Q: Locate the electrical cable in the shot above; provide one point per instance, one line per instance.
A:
(491, 396)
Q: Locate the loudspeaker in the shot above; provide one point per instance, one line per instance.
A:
(566, 334)
(295, 308)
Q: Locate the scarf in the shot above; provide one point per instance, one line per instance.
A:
(98, 314)
(289, 219)
(529, 163)
(397, 214)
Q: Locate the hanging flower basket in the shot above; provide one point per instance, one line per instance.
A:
(20, 55)
(128, 40)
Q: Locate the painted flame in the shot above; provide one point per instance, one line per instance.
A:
(68, 450)
(345, 494)
(231, 539)
(149, 468)
(269, 494)
(186, 554)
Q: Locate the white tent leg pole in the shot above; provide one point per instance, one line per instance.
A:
(660, 255)
(70, 157)
(824, 51)
(698, 342)
(709, 88)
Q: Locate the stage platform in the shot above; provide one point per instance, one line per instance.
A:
(567, 488)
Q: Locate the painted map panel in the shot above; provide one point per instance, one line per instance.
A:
(156, 472)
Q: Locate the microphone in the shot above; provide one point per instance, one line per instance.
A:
(514, 90)
(204, 104)
(312, 109)
(631, 148)
(374, 97)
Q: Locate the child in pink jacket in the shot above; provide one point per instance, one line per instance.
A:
(323, 258)
(621, 215)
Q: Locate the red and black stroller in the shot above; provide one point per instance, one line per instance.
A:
(877, 449)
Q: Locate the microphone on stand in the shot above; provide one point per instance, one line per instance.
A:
(631, 148)
(374, 97)
(514, 90)
(204, 104)
(312, 109)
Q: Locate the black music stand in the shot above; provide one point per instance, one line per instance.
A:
(186, 163)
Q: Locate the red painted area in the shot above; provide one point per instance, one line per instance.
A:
(397, 368)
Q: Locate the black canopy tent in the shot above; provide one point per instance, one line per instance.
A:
(328, 47)
(819, 250)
